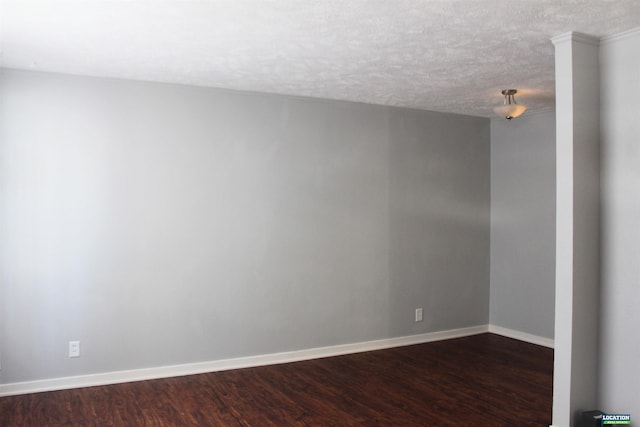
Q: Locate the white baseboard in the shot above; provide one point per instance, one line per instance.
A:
(522, 336)
(237, 363)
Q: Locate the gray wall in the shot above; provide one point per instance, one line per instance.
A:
(619, 388)
(162, 224)
(523, 224)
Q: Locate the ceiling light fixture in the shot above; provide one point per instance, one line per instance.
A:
(510, 108)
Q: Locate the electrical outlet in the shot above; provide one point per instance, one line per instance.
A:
(74, 348)
(418, 315)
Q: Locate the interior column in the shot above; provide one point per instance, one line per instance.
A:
(577, 226)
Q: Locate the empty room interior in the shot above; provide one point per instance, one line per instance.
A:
(319, 213)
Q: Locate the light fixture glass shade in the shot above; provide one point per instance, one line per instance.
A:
(510, 111)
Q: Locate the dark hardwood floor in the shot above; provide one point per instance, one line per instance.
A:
(483, 380)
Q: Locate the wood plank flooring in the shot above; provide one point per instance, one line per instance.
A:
(484, 380)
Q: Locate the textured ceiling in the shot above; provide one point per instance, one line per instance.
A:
(442, 55)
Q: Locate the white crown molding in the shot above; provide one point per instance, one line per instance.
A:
(634, 32)
(237, 363)
(576, 37)
(592, 40)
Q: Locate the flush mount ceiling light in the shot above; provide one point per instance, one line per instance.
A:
(510, 109)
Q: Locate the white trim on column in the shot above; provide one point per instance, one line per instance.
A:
(577, 37)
